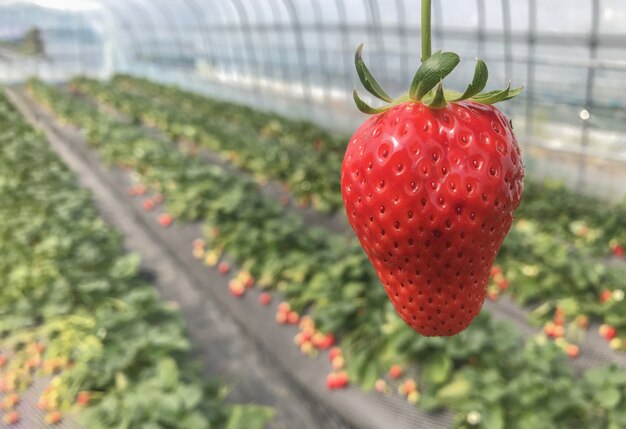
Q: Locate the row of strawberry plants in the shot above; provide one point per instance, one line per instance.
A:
(267, 152)
(538, 267)
(74, 308)
(484, 374)
(254, 139)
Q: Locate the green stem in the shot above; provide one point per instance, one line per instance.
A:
(426, 49)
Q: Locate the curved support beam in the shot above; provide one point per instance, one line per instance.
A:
(405, 52)
(589, 89)
(506, 31)
(482, 25)
(342, 13)
(198, 13)
(297, 32)
(119, 18)
(530, 67)
(322, 54)
(151, 25)
(268, 65)
(171, 24)
(285, 72)
(223, 43)
(250, 46)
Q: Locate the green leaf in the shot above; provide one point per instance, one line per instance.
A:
(479, 81)
(366, 77)
(432, 72)
(437, 369)
(455, 391)
(493, 418)
(439, 100)
(167, 372)
(496, 96)
(366, 108)
(126, 266)
(608, 398)
(249, 417)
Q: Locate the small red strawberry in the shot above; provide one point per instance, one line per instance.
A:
(137, 190)
(607, 331)
(265, 298)
(11, 417)
(53, 417)
(223, 268)
(281, 317)
(324, 341)
(572, 351)
(582, 321)
(605, 296)
(338, 362)
(83, 398)
(236, 288)
(334, 352)
(3, 360)
(617, 250)
(43, 403)
(10, 401)
(166, 220)
(148, 205)
(430, 184)
(395, 371)
(293, 318)
(337, 380)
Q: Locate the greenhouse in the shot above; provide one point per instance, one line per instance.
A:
(248, 214)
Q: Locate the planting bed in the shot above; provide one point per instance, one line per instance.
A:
(82, 332)
(486, 372)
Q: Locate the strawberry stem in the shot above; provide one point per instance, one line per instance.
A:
(426, 45)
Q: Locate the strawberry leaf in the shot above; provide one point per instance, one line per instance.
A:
(364, 107)
(496, 96)
(479, 81)
(366, 77)
(439, 100)
(432, 72)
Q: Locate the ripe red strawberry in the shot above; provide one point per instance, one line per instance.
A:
(148, 205)
(166, 219)
(337, 380)
(236, 288)
(324, 342)
(395, 371)
(83, 398)
(572, 351)
(605, 296)
(223, 268)
(607, 331)
(11, 417)
(334, 352)
(430, 188)
(265, 298)
(53, 417)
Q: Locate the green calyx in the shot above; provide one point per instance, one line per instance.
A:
(427, 85)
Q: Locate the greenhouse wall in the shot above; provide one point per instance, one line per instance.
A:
(295, 57)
